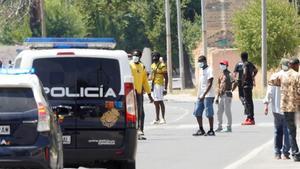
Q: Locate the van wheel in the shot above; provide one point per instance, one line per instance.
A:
(127, 165)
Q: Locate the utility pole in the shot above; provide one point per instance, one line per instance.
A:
(204, 32)
(169, 45)
(42, 13)
(180, 46)
(264, 43)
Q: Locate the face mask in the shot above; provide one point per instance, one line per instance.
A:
(201, 64)
(284, 67)
(223, 67)
(135, 59)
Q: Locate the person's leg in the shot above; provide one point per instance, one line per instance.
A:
(208, 104)
(142, 113)
(139, 109)
(228, 113)
(242, 95)
(220, 113)
(278, 137)
(290, 120)
(286, 144)
(157, 109)
(249, 103)
(198, 112)
(163, 109)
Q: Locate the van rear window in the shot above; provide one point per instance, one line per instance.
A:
(16, 100)
(79, 78)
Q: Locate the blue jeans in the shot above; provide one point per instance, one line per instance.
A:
(206, 105)
(281, 140)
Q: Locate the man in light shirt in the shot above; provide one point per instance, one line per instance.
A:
(273, 96)
(205, 98)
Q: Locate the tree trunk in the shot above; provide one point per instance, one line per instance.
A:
(35, 20)
(187, 70)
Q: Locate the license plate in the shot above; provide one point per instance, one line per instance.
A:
(4, 130)
(66, 139)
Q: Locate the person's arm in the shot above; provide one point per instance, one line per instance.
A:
(146, 86)
(268, 98)
(254, 72)
(218, 90)
(166, 82)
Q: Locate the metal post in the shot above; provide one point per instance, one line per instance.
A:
(169, 45)
(42, 13)
(204, 32)
(180, 46)
(264, 44)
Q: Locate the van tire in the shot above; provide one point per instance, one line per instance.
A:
(127, 165)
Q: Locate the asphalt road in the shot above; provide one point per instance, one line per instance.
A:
(172, 146)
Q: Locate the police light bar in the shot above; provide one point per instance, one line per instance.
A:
(63, 43)
(17, 71)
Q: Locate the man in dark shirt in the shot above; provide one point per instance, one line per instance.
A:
(247, 82)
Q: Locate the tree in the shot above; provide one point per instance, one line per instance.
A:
(282, 33)
(69, 23)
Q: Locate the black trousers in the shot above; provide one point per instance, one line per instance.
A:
(141, 113)
(249, 107)
(291, 124)
(241, 94)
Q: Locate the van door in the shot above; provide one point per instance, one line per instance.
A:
(100, 115)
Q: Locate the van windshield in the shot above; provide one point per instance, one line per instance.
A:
(79, 78)
(16, 100)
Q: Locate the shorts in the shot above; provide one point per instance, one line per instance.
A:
(207, 105)
(158, 92)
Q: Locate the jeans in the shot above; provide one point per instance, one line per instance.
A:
(207, 105)
(290, 119)
(249, 107)
(141, 112)
(281, 139)
(224, 105)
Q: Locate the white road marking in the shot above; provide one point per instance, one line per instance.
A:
(249, 156)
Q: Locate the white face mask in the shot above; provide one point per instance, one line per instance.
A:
(201, 64)
(284, 67)
(135, 59)
(223, 67)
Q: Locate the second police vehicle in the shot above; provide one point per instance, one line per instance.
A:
(91, 88)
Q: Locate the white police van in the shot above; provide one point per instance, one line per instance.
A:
(91, 88)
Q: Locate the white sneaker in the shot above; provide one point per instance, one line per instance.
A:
(162, 121)
(140, 133)
(155, 122)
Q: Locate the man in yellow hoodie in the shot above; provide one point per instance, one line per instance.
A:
(141, 85)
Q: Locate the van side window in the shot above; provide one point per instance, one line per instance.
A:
(18, 63)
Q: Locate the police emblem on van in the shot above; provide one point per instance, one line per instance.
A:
(84, 92)
(110, 118)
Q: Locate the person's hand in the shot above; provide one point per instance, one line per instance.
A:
(217, 101)
(266, 110)
(201, 99)
(165, 92)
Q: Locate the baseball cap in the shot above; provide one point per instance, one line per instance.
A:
(224, 62)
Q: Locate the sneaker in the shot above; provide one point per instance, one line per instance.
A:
(277, 156)
(219, 129)
(286, 157)
(140, 132)
(210, 133)
(155, 122)
(141, 137)
(162, 121)
(249, 122)
(296, 157)
(199, 133)
(227, 130)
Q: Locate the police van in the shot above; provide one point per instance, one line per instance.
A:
(90, 86)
